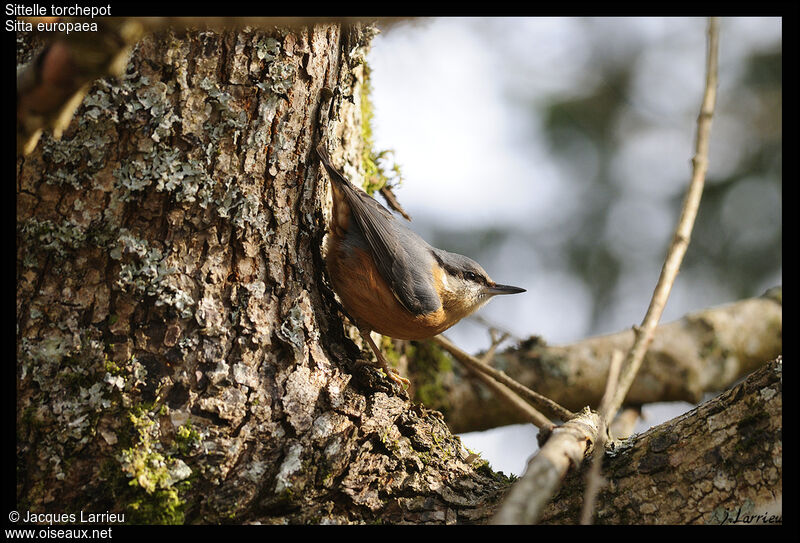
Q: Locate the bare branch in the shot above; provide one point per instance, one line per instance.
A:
(683, 232)
(483, 321)
(565, 448)
(570, 442)
(507, 395)
(52, 86)
(489, 355)
(594, 480)
(391, 199)
(623, 424)
(529, 395)
(708, 466)
(704, 352)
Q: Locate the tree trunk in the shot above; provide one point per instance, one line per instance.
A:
(180, 356)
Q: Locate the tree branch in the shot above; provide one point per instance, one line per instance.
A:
(683, 232)
(52, 86)
(571, 441)
(720, 459)
(565, 448)
(535, 399)
(594, 480)
(703, 352)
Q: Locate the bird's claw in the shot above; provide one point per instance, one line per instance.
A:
(395, 376)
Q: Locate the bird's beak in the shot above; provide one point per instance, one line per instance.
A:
(503, 289)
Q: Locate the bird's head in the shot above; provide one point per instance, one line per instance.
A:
(463, 285)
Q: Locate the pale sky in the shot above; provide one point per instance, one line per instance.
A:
(448, 95)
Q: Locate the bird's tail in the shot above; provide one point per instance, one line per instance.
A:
(333, 172)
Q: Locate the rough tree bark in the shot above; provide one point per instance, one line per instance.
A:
(180, 356)
(720, 463)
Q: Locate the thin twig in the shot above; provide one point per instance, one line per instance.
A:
(388, 195)
(533, 415)
(683, 232)
(483, 321)
(565, 449)
(569, 442)
(537, 400)
(489, 354)
(594, 480)
(52, 85)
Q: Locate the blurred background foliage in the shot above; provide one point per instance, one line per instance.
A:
(608, 107)
(557, 151)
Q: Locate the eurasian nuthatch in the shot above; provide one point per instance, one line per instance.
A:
(389, 279)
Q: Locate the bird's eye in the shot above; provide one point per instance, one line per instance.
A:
(469, 276)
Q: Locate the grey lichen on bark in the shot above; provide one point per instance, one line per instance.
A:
(180, 356)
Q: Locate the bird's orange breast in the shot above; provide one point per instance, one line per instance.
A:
(367, 297)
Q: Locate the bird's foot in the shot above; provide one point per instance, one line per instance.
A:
(390, 372)
(395, 376)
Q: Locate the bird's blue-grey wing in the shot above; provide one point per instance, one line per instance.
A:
(393, 246)
(400, 255)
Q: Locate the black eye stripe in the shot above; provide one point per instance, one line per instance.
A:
(460, 272)
(472, 276)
